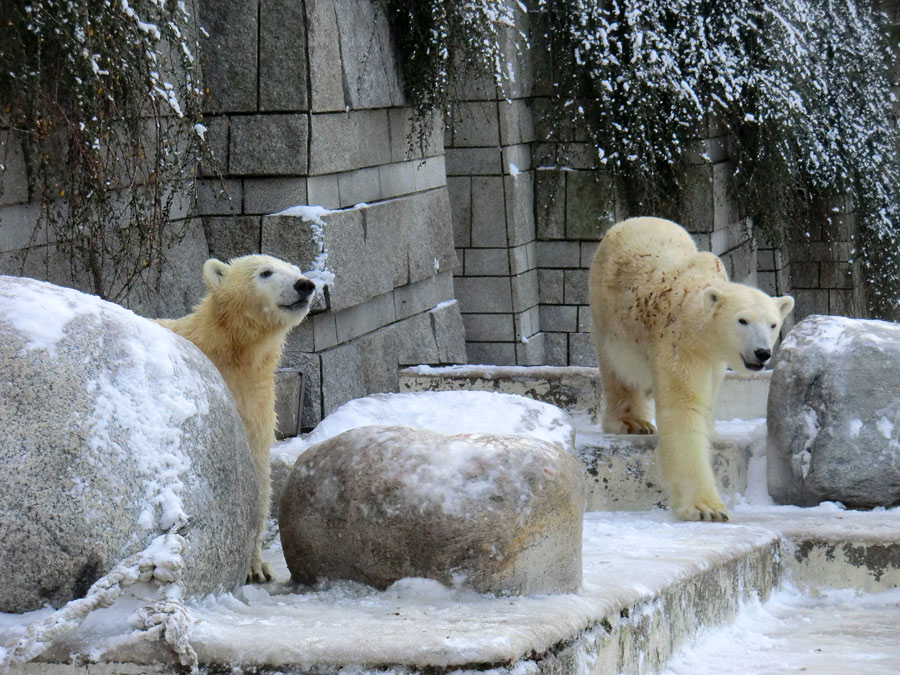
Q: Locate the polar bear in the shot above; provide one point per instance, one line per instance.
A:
(668, 321)
(251, 304)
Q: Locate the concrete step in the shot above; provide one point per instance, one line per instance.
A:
(650, 584)
(573, 388)
(622, 472)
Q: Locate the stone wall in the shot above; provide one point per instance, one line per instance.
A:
(27, 249)
(490, 178)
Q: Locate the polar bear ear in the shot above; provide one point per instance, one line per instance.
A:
(785, 304)
(214, 273)
(712, 296)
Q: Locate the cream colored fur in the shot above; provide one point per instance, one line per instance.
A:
(668, 323)
(241, 324)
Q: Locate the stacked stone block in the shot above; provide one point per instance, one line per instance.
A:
(491, 189)
(822, 271)
(491, 183)
(523, 288)
(313, 113)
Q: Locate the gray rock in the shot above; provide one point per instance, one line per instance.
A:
(498, 514)
(113, 430)
(834, 414)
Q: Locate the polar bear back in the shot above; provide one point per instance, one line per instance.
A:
(643, 271)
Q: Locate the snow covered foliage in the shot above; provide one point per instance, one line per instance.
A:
(104, 99)
(801, 87)
(445, 42)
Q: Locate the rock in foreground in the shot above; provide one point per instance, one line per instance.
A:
(498, 514)
(446, 412)
(112, 431)
(834, 414)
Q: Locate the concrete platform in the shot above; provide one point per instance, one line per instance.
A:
(622, 473)
(650, 583)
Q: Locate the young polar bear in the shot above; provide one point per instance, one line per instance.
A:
(251, 304)
(668, 321)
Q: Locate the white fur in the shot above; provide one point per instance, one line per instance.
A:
(667, 319)
(241, 324)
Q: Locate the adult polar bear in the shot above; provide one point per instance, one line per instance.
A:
(668, 320)
(251, 304)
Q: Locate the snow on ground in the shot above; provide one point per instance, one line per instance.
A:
(834, 633)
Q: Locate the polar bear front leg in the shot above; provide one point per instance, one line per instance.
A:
(684, 449)
(260, 571)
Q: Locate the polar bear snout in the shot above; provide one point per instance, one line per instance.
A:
(758, 360)
(301, 291)
(304, 287)
(762, 355)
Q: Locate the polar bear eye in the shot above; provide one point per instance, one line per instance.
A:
(743, 322)
(772, 326)
(265, 274)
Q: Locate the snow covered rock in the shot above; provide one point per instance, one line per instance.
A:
(447, 412)
(113, 430)
(497, 514)
(834, 414)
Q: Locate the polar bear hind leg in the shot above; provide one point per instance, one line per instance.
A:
(625, 405)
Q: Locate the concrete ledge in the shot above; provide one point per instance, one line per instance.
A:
(571, 388)
(574, 388)
(835, 548)
(650, 583)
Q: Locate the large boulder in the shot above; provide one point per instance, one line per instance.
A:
(834, 414)
(112, 431)
(498, 514)
(447, 412)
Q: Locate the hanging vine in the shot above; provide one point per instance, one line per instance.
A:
(103, 98)
(800, 87)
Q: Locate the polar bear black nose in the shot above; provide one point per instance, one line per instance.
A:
(762, 355)
(304, 286)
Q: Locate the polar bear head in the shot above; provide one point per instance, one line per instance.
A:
(747, 322)
(260, 290)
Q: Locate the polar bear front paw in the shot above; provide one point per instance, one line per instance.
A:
(260, 572)
(704, 508)
(629, 425)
